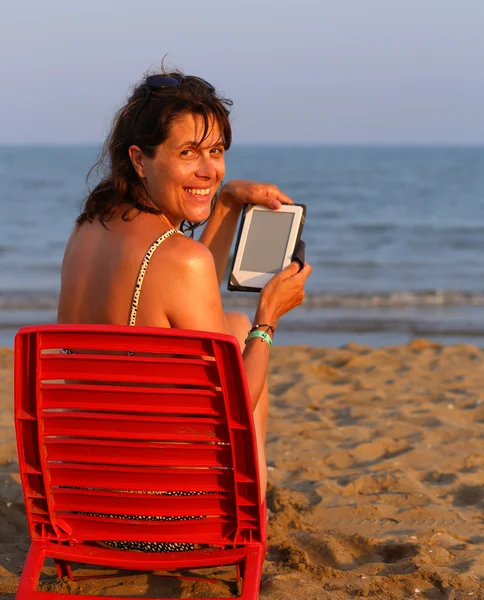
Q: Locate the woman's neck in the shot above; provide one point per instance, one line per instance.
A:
(170, 221)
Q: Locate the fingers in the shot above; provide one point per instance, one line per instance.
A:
(284, 199)
(275, 198)
(304, 273)
(285, 290)
(278, 197)
(296, 267)
(249, 192)
(294, 271)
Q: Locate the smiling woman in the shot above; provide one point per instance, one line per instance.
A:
(139, 130)
(164, 164)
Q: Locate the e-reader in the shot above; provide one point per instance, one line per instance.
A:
(266, 244)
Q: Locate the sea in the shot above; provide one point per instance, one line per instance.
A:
(395, 236)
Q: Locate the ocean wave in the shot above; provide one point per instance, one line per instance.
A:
(28, 300)
(411, 327)
(396, 299)
(32, 300)
(374, 227)
(400, 299)
(4, 248)
(463, 229)
(37, 183)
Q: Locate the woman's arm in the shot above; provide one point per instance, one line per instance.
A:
(220, 230)
(192, 300)
(222, 223)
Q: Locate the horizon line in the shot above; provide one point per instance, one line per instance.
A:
(332, 144)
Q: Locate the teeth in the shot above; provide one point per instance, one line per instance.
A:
(198, 191)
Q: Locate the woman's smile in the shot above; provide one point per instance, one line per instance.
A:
(198, 191)
(200, 195)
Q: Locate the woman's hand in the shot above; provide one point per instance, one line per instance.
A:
(284, 292)
(241, 191)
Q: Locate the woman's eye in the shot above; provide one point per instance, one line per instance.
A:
(217, 150)
(187, 152)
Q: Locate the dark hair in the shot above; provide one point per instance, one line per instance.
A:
(120, 184)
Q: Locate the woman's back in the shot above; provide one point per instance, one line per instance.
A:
(100, 269)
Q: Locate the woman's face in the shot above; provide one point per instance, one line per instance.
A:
(183, 176)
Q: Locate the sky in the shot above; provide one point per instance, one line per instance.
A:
(298, 71)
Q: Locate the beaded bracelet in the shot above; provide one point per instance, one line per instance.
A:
(263, 335)
(257, 325)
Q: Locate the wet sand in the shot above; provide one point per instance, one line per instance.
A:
(376, 479)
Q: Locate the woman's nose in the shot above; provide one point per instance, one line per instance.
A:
(206, 168)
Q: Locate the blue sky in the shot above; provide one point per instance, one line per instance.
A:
(321, 71)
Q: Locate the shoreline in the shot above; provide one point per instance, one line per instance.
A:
(376, 477)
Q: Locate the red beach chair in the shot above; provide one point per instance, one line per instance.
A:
(104, 432)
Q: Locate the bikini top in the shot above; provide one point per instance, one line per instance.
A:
(142, 273)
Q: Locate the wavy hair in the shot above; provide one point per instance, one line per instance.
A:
(147, 129)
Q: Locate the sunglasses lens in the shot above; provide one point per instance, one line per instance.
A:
(203, 82)
(159, 81)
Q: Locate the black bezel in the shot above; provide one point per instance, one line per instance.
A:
(241, 288)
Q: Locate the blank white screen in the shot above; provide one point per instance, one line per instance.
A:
(266, 243)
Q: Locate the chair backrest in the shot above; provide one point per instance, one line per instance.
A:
(128, 419)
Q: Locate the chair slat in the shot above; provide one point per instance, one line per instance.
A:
(141, 478)
(133, 453)
(134, 427)
(128, 369)
(142, 399)
(84, 527)
(153, 342)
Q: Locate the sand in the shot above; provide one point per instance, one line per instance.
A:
(376, 479)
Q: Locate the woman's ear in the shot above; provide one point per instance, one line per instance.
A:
(136, 156)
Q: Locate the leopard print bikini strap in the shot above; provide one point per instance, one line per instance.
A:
(142, 273)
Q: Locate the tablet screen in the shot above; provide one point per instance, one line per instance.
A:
(267, 242)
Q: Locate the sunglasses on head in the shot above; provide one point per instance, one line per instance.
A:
(157, 82)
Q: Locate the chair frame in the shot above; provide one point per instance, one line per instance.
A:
(192, 430)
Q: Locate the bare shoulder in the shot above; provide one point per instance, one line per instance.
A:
(181, 266)
(185, 255)
(183, 285)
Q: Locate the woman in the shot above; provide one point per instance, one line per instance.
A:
(166, 156)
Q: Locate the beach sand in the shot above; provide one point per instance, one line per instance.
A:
(376, 479)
